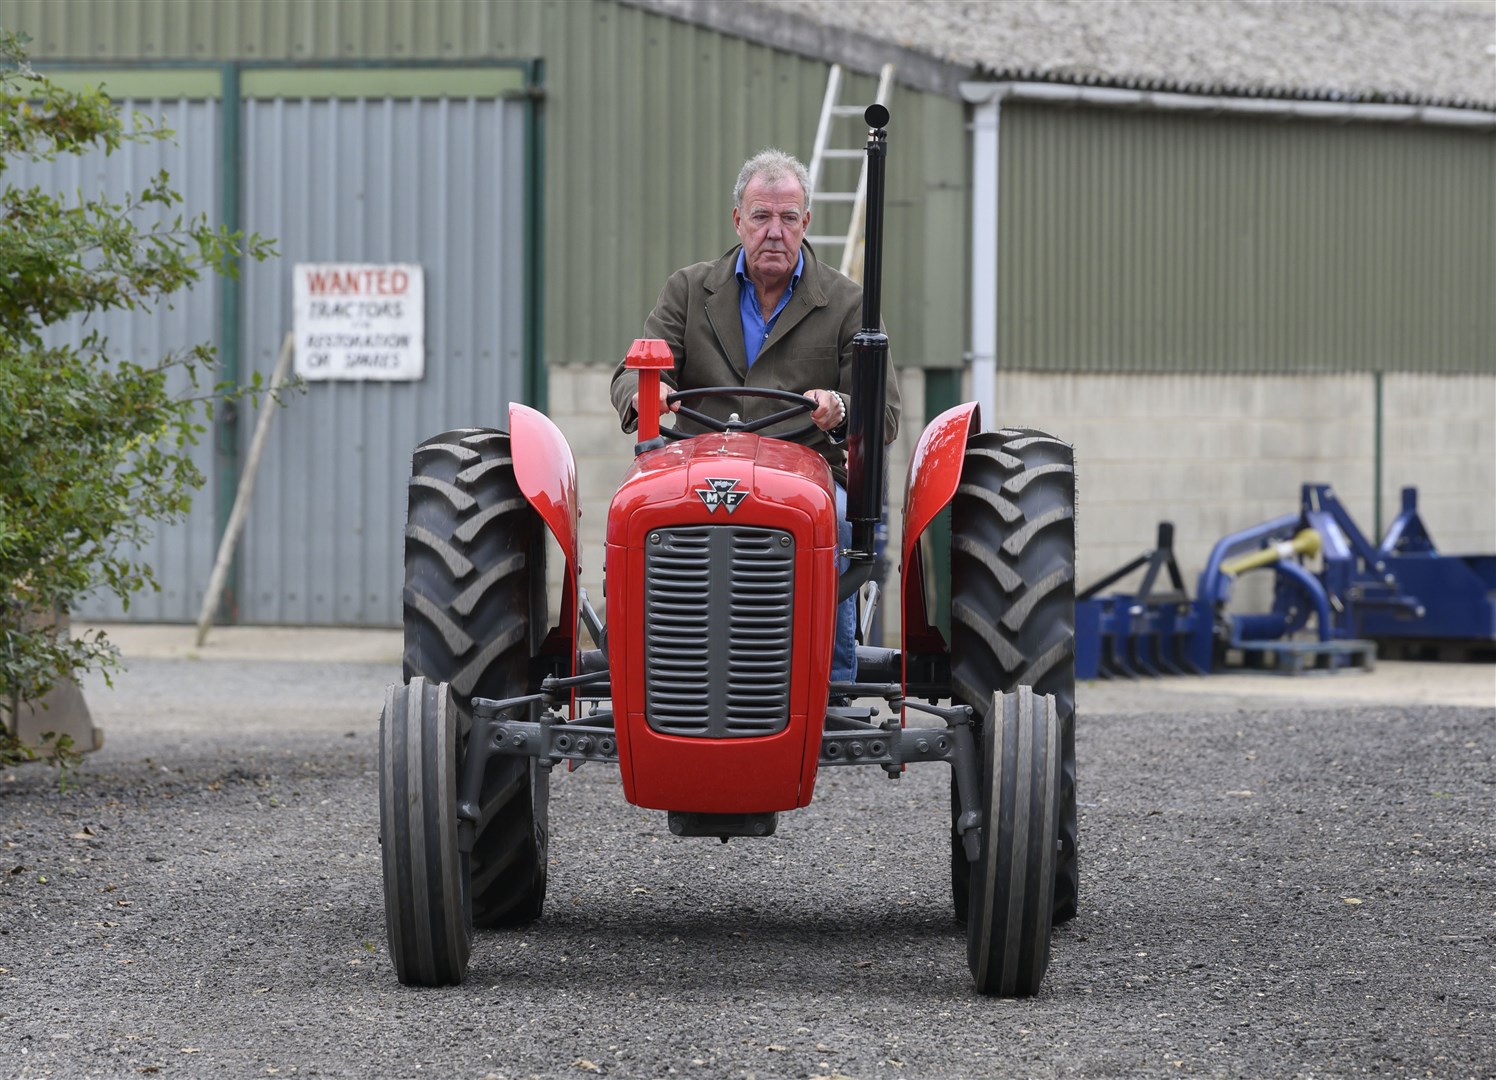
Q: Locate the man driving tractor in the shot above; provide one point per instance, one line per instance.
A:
(770, 314)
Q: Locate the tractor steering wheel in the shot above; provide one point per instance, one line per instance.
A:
(801, 404)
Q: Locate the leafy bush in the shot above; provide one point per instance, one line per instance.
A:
(95, 450)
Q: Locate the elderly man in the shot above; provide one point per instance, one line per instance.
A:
(769, 314)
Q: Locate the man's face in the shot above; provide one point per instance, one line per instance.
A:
(771, 224)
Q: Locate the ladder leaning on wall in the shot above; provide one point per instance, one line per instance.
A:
(823, 151)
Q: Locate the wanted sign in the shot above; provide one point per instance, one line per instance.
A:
(359, 321)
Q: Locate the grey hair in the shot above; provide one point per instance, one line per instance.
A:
(771, 166)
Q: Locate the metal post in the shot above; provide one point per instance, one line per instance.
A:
(865, 427)
(227, 417)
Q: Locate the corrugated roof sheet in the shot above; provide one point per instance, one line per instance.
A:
(1434, 52)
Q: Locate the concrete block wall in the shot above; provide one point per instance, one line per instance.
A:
(1212, 454)
(1215, 454)
(1439, 435)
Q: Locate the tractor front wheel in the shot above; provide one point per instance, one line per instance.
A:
(1011, 906)
(427, 907)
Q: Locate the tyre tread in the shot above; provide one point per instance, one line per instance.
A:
(471, 626)
(1013, 586)
(427, 918)
(1012, 888)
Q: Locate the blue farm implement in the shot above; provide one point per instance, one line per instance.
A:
(1401, 598)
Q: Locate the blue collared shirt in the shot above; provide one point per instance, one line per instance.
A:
(755, 327)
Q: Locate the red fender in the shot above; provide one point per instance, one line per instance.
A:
(934, 474)
(547, 476)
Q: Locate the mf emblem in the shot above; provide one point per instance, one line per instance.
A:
(721, 493)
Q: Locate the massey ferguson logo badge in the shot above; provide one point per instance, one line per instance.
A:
(721, 493)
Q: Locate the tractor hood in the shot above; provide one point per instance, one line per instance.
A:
(728, 479)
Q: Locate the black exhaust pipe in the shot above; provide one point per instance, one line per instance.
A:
(865, 426)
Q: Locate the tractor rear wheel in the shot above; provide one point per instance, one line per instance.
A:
(1011, 906)
(1013, 608)
(428, 912)
(474, 616)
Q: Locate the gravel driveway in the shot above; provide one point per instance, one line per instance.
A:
(1286, 877)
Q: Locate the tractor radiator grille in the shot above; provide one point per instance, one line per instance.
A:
(719, 612)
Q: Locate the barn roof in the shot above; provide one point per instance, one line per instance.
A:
(1427, 52)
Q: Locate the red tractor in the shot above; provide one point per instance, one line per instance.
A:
(722, 588)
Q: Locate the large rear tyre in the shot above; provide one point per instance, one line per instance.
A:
(1011, 905)
(427, 913)
(1013, 608)
(475, 613)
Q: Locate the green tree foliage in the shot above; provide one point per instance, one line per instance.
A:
(95, 450)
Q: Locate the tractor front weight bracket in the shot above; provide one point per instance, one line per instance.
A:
(470, 789)
(496, 730)
(958, 722)
(851, 738)
(859, 742)
(551, 739)
(892, 748)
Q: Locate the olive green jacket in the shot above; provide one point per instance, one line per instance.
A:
(810, 348)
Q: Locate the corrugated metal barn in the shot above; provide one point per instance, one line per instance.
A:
(1221, 271)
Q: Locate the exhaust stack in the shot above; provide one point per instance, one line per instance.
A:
(865, 426)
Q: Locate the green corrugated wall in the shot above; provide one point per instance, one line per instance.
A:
(646, 120)
(1130, 241)
(1150, 242)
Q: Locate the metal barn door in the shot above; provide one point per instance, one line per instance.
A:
(435, 182)
(181, 553)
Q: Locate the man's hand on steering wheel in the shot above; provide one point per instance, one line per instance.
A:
(829, 410)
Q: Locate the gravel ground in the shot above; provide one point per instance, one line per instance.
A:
(1291, 878)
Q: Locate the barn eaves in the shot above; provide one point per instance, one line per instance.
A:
(1397, 52)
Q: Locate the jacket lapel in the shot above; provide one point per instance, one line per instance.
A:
(723, 313)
